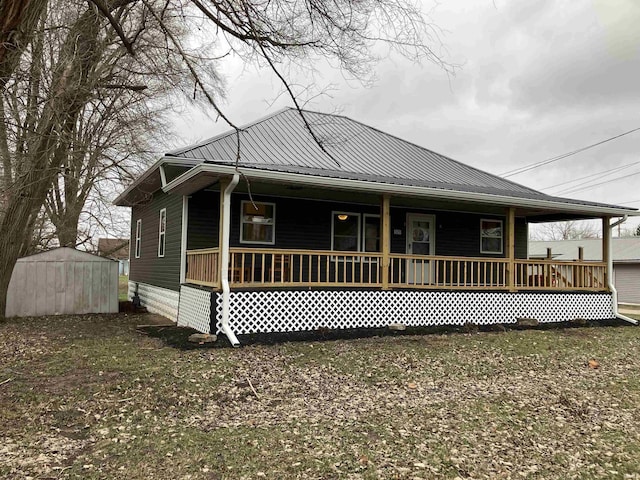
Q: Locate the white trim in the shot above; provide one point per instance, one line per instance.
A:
(490, 252)
(396, 189)
(165, 160)
(163, 176)
(183, 239)
(137, 248)
(162, 234)
(364, 231)
(242, 222)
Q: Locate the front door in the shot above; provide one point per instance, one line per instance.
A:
(420, 241)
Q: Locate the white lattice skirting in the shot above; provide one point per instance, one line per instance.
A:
(287, 311)
(157, 300)
(195, 308)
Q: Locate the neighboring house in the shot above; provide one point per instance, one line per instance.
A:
(625, 253)
(376, 231)
(116, 249)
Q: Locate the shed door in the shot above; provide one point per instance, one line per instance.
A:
(627, 282)
(420, 241)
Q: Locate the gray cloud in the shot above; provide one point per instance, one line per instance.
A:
(539, 79)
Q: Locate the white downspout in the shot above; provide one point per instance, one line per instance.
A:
(612, 288)
(224, 259)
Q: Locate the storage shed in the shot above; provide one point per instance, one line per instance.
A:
(63, 281)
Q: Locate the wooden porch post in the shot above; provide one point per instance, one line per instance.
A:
(511, 249)
(606, 240)
(385, 238)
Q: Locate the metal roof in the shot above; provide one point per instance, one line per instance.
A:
(626, 249)
(281, 142)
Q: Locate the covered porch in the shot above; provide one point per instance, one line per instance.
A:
(413, 260)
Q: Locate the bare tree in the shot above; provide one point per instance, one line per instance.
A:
(40, 133)
(568, 230)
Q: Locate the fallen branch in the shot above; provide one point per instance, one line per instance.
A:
(252, 389)
(10, 379)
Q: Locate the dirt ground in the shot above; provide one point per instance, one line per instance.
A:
(95, 397)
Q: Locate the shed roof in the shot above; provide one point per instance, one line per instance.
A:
(626, 249)
(63, 254)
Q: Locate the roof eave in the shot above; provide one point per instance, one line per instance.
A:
(121, 200)
(380, 187)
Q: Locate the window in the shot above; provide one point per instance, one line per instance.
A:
(355, 232)
(490, 236)
(138, 237)
(346, 232)
(371, 233)
(162, 230)
(258, 220)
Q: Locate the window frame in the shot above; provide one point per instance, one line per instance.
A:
(162, 234)
(361, 255)
(334, 214)
(501, 237)
(138, 245)
(364, 237)
(242, 223)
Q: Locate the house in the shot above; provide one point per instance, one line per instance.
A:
(116, 249)
(355, 228)
(625, 256)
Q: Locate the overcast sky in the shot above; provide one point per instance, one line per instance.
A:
(538, 79)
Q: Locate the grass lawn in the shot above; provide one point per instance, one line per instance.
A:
(89, 397)
(123, 288)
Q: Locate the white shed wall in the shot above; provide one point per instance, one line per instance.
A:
(63, 281)
(627, 282)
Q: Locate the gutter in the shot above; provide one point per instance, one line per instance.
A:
(612, 288)
(224, 259)
(394, 189)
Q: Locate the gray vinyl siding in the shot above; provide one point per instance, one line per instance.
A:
(300, 224)
(306, 224)
(204, 214)
(627, 282)
(457, 233)
(149, 268)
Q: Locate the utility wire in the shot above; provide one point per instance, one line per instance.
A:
(526, 168)
(597, 174)
(574, 190)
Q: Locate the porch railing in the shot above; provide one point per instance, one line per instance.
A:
(412, 271)
(260, 268)
(203, 267)
(554, 275)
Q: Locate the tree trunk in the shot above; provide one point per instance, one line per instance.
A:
(70, 91)
(18, 20)
(67, 227)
